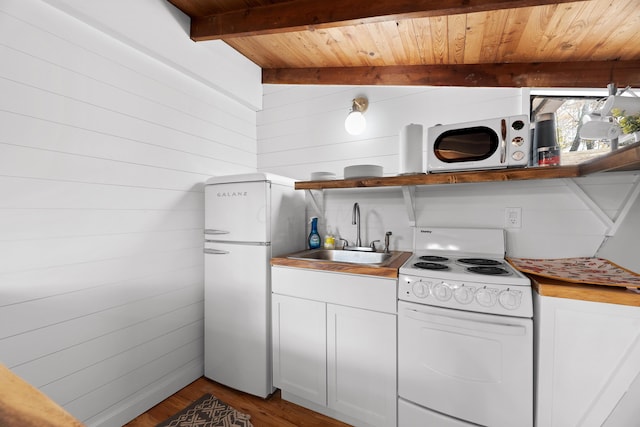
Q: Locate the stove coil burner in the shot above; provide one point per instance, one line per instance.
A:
(491, 271)
(433, 258)
(479, 261)
(430, 266)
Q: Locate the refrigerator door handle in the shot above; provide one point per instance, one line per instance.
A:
(215, 251)
(212, 231)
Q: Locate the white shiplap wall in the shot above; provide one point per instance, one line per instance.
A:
(301, 130)
(103, 152)
(164, 35)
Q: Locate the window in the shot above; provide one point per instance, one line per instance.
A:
(572, 110)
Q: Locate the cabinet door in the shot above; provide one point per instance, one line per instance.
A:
(587, 359)
(299, 347)
(361, 360)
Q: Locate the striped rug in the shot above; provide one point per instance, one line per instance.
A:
(208, 411)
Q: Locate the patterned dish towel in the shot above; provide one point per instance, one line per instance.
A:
(591, 271)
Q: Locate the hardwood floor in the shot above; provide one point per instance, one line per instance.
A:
(271, 412)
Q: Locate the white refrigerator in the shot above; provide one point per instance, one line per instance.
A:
(249, 218)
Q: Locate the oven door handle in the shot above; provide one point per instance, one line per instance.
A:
(503, 141)
(454, 322)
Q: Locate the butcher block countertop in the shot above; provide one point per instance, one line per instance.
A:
(595, 293)
(22, 405)
(387, 269)
(583, 278)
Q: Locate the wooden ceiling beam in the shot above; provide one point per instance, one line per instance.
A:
(299, 15)
(554, 74)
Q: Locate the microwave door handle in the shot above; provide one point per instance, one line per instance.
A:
(503, 141)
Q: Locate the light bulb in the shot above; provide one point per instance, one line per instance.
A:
(355, 123)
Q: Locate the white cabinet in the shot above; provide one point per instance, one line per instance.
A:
(299, 347)
(334, 358)
(587, 357)
(361, 361)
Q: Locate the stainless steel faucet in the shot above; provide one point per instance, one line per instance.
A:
(386, 242)
(355, 220)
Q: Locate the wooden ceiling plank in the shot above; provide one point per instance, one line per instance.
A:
(421, 31)
(606, 41)
(534, 32)
(407, 37)
(388, 36)
(355, 49)
(474, 36)
(371, 47)
(628, 45)
(573, 41)
(439, 43)
(573, 74)
(300, 15)
(493, 34)
(334, 47)
(513, 32)
(457, 36)
(268, 52)
(560, 24)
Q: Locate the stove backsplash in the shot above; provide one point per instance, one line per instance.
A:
(555, 222)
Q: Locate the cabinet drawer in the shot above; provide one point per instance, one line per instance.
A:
(368, 292)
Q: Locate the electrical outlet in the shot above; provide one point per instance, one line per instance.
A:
(513, 217)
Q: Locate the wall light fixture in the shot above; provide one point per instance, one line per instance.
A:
(355, 123)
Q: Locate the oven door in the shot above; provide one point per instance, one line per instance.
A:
(472, 366)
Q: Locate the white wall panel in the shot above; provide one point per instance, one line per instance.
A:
(23, 348)
(28, 285)
(76, 385)
(26, 131)
(555, 222)
(170, 43)
(301, 131)
(75, 358)
(30, 193)
(68, 306)
(123, 97)
(37, 254)
(43, 105)
(623, 247)
(103, 154)
(56, 223)
(52, 165)
(118, 413)
(135, 381)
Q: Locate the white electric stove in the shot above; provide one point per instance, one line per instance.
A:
(465, 332)
(464, 269)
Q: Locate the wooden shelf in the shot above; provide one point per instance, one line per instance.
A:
(624, 159)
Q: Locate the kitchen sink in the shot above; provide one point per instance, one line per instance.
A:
(338, 255)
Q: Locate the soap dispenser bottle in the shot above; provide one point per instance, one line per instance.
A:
(314, 237)
(329, 240)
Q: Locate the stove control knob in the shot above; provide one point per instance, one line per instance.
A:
(464, 294)
(510, 299)
(486, 297)
(442, 291)
(420, 289)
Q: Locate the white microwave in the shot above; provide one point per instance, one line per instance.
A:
(501, 142)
